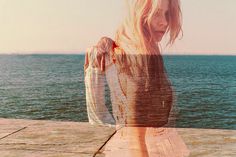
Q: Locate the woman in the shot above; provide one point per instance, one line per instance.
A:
(141, 94)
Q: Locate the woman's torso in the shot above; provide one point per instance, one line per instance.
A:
(140, 90)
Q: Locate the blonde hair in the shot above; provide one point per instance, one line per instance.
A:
(134, 33)
(134, 37)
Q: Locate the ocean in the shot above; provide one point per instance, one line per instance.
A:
(52, 87)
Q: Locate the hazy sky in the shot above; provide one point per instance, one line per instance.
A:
(69, 26)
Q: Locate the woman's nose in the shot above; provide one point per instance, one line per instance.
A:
(163, 22)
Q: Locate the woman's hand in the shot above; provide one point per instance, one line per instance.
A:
(100, 59)
(102, 63)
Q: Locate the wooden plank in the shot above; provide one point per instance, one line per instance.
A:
(22, 138)
(51, 138)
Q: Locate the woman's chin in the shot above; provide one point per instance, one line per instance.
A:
(157, 40)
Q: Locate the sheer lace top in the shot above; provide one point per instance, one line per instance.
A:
(141, 94)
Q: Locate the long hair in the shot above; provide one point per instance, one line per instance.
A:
(134, 34)
(135, 38)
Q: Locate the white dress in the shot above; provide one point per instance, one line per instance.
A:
(126, 142)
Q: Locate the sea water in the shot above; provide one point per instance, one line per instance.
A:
(52, 87)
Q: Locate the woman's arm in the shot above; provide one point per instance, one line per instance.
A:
(105, 47)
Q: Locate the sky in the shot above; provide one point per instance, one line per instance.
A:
(70, 26)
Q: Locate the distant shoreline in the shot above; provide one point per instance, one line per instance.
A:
(30, 54)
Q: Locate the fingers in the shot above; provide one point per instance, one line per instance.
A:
(103, 62)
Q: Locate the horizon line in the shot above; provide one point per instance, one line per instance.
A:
(83, 53)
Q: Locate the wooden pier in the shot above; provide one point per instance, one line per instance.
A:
(43, 138)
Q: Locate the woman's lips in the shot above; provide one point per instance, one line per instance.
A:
(159, 35)
(160, 32)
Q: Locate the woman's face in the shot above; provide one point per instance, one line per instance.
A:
(159, 21)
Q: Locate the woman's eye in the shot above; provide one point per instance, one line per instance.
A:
(158, 12)
(167, 16)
